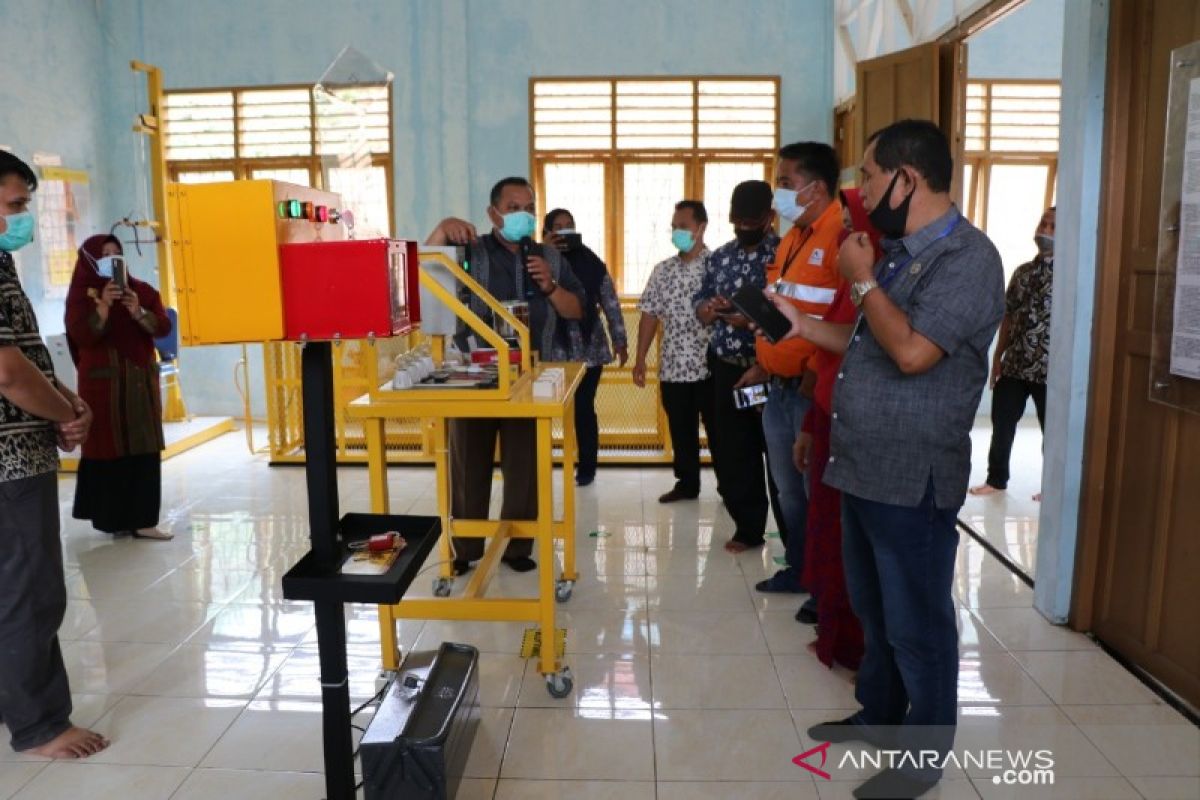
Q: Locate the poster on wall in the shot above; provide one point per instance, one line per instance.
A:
(1185, 340)
(64, 221)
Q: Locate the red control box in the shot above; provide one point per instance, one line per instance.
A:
(353, 289)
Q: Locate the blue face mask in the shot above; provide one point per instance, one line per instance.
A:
(683, 240)
(518, 225)
(786, 202)
(104, 267)
(18, 233)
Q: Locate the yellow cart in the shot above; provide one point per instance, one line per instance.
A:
(435, 411)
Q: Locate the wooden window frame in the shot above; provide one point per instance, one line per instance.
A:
(613, 158)
(975, 196)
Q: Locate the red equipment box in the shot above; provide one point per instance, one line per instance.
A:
(354, 289)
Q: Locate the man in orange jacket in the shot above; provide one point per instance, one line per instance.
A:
(804, 271)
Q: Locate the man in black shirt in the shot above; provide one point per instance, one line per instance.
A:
(495, 263)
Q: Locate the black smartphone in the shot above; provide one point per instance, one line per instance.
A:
(750, 396)
(753, 302)
(572, 241)
(120, 273)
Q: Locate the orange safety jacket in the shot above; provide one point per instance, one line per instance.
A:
(806, 258)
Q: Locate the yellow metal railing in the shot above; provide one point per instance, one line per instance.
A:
(633, 426)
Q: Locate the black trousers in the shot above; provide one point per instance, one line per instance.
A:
(35, 698)
(1008, 404)
(736, 443)
(472, 458)
(119, 494)
(687, 404)
(587, 426)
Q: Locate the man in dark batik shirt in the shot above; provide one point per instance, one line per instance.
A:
(1022, 356)
(36, 413)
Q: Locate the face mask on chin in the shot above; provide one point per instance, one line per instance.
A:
(891, 222)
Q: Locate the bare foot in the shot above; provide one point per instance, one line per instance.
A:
(72, 743)
(735, 547)
(1037, 498)
(153, 533)
(984, 489)
(811, 647)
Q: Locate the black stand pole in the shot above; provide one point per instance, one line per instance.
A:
(320, 472)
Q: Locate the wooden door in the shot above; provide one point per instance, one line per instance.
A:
(924, 82)
(1139, 549)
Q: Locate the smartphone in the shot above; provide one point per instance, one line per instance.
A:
(120, 273)
(572, 241)
(750, 396)
(753, 302)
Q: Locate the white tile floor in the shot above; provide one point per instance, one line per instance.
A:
(1009, 520)
(689, 686)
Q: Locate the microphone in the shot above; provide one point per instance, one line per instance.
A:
(526, 249)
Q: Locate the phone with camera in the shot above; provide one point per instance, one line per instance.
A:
(754, 303)
(750, 396)
(120, 273)
(572, 241)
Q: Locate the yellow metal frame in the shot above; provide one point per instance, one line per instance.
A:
(435, 410)
(151, 124)
(485, 331)
(633, 426)
(220, 427)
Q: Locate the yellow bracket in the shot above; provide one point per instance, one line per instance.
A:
(473, 321)
(148, 124)
(531, 643)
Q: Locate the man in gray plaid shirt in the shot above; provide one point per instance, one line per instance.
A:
(903, 406)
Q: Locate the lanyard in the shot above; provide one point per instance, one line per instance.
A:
(787, 265)
(899, 266)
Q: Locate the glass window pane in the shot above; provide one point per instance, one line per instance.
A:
(298, 176)
(1015, 196)
(969, 193)
(205, 176)
(650, 194)
(720, 178)
(364, 191)
(579, 188)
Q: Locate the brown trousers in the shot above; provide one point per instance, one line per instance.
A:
(472, 450)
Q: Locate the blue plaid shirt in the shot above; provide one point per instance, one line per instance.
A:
(730, 268)
(893, 432)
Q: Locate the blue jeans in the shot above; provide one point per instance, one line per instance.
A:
(899, 564)
(781, 419)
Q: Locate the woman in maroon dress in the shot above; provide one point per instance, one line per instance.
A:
(839, 634)
(111, 335)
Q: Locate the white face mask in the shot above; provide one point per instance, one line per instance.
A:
(786, 205)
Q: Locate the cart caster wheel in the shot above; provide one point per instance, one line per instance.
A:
(563, 590)
(560, 684)
(441, 587)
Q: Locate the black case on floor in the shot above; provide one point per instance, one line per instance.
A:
(416, 749)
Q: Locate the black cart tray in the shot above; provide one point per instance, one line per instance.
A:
(311, 580)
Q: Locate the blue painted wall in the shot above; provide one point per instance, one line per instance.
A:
(461, 93)
(1025, 44)
(51, 101)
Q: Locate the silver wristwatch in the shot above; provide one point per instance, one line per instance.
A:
(859, 289)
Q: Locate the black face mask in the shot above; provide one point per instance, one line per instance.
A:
(891, 221)
(749, 237)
